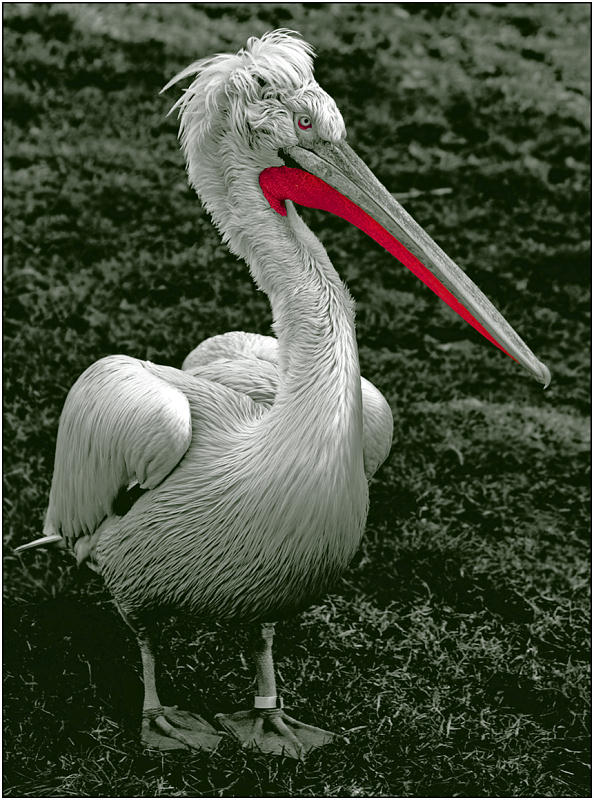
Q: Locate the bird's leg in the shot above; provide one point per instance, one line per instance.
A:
(265, 676)
(266, 727)
(167, 727)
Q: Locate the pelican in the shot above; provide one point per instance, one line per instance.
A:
(236, 488)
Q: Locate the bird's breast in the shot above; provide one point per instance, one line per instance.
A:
(251, 528)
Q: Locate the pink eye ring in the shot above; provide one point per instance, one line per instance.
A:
(304, 122)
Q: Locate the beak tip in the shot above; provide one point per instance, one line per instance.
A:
(545, 375)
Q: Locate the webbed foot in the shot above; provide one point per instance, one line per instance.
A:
(273, 731)
(169, 728)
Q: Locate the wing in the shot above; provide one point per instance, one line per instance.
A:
(253, 377)
(378, 427)
(248, 363)
(245, 362)
(233, 345)
(121, 424)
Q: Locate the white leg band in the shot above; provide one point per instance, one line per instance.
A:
(268, 702)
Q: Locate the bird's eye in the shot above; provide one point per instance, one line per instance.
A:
(304, 122)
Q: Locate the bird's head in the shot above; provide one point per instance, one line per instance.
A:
(241, 109)
(257, 130)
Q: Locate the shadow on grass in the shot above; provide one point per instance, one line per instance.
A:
(66, 657)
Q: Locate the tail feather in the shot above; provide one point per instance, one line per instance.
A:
(51, 538)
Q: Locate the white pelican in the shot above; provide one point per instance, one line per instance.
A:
(254, 458)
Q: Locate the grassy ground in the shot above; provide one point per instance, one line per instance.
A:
(455, 650)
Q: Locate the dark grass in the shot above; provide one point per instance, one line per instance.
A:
(455, 652)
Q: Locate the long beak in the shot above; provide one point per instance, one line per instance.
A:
(333, 178)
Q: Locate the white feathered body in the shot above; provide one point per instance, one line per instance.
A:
(256, 496)
(255, 457)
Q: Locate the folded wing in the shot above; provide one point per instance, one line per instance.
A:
(121, 424)
(248, 363)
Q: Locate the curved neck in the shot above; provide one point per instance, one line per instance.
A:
(313, 314)
(314, 318)
(318, 407)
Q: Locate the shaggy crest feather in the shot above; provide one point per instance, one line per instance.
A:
(249, 95)
(278, 62)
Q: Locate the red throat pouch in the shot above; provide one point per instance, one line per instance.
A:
(289, 183)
